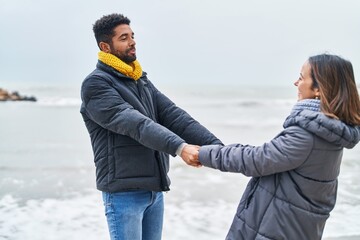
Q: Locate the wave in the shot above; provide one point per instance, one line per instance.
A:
(193, 103)
(237, 103)
(59, 102)
(60, 96)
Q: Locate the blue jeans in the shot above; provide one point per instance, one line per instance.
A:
(134, 215)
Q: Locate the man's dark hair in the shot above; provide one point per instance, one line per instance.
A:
(104, 27)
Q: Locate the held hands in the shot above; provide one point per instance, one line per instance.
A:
(190, 154)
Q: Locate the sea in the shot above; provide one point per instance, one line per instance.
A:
(47, 173)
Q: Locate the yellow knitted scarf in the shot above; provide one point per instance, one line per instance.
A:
(132, 70)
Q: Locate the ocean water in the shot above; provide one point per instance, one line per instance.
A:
(47, 175)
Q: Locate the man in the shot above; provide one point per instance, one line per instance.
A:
(133, 128)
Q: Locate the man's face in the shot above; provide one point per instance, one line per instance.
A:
(123, 43)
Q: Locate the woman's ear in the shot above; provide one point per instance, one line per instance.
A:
(317, 93)
(105, 47)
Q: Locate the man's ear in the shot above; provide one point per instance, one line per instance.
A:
(105, 47)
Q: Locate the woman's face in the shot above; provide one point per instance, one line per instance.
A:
(305, 83)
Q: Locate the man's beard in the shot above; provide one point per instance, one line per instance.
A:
(126, 58)
(123, 56)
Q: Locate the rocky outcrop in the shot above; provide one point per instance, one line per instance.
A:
(14, 96)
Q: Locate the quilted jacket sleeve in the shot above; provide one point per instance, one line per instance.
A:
(180, 122)
(285, 152)
(105, 106)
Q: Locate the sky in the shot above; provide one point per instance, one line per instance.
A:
(187, 42)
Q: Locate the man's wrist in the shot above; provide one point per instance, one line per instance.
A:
(180, 149)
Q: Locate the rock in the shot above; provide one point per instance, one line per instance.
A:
(14, 96)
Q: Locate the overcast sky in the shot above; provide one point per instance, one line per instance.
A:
(241, 42)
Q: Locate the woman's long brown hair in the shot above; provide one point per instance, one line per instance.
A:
(339, 97)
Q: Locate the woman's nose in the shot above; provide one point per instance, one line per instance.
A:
(296, 82)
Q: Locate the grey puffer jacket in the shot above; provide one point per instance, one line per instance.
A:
(133, 128)
(294, 182)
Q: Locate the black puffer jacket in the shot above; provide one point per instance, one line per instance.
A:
(133, 127)
(294, 182)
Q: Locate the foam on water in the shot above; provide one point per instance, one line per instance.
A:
(53, 219)
(59, 102)
(82, 216)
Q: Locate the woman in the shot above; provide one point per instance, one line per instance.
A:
(294, 176)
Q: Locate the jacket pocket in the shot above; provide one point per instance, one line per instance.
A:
(133, 161)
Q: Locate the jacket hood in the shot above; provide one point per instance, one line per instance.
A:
(329, 129)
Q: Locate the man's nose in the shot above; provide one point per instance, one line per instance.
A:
(132, 42)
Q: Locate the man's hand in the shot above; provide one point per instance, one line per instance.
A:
(190, 154)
